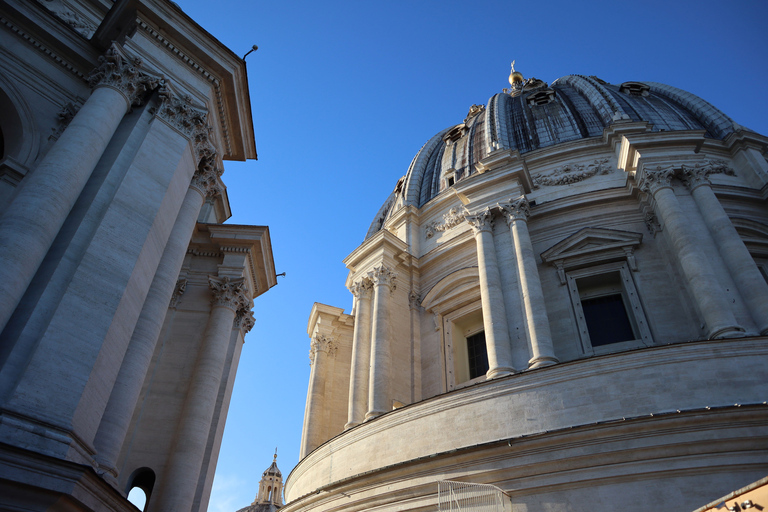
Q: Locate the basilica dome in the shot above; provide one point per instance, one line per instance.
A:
(532, 115)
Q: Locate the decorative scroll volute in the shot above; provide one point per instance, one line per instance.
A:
(322, 343)
(481, 221)
(382, 275)
(518, 209)
(122, 73)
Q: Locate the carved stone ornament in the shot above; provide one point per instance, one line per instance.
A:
(453, 218)
(322, 343)
(65, 115)
(382, 275)
(698, 174)
(652, 223)
(228, 292)
(571, 173)
(206, 177)
(473, 111)
(362, 288)
(481, 221)
(654, 180)
(244, 320)
(414, 300)
(122, 73)
(178, 291)
(518, 209)
(66, 13)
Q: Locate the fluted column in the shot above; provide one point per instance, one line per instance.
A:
(542, 351)
(125, 393)
(177, 491)
(33, 219)
(740, 263)
(361, 354)
(378, 379)
(698, 271)
(491, 297)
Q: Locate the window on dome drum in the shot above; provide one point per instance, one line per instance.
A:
(477, 355)
(607, 308)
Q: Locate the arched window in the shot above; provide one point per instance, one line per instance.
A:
(140, 487)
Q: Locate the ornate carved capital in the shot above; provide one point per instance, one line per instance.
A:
(481, 221)
(178, 291)
(244, 319)
(697, 174)
(322, 343)
(654, 180)
(362, 289)
(518, 209)
(227, 292)
(382, 275)
(206, 177)
(122, 73)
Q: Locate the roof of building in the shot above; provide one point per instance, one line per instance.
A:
(532, 115)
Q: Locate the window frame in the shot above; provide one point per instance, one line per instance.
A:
(451, 321)
(632, 305)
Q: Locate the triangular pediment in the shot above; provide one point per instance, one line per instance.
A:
(590, 243)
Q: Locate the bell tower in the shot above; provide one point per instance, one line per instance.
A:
(271, 486)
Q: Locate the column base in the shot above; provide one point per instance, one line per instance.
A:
(541, 361)
(373, 414)
(501, 371)
(731, 331)
(350, 425)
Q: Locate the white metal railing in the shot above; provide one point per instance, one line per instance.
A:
(464, 497)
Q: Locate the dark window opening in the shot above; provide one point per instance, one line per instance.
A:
(607, 320)
(450, 181)
(143, 479)
(477, 355)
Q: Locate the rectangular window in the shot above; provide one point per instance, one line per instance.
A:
(477, 355)
(608, 312)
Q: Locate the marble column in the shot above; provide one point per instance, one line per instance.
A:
(125, 393)
(537, 322)
(177, 488)
(740, 263)
(378, 380)
(33, 219)
(315, 428)
(697, 270)
(361, 354)
(491, 297)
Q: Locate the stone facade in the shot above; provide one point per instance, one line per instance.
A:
(610, 245)
(125, 299)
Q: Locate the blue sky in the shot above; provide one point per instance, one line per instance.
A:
(345, 93)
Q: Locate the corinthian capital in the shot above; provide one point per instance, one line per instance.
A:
(362, 289)
(654, 180)
(697, 174)
(518, 209)
(384, 276)
(244, 319)
(227, 292)
(206, 177)
(481, 221)
(120, 72)
(322, 343)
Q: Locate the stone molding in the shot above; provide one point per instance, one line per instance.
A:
(228, 292)
(322, 343)
(481, 221)
(206, 180)
(518, 209)
(414, 300)
(383, 275)
(120, 72)
(453, 218)
(65, 12)
(362, 289)
(178, 291)
(571, 173)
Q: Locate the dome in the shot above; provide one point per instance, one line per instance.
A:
(272, 470)
(537, 116)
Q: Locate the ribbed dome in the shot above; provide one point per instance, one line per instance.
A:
(573, 107)
(272, 470)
